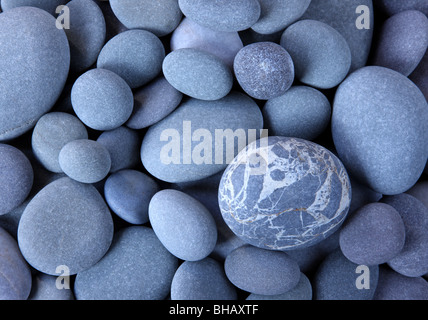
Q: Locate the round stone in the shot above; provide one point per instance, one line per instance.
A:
(16, 178)
(34, 65)
(264, 70)
(284, 193)
(134, 55)
(198, 74)
(102, 100)
(85, 160)
(66, 224)
(47, 5)
(52, 132)
(321, 55)
(260, 271)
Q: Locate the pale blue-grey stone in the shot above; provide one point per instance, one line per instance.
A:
(47, 5)
(49, 287)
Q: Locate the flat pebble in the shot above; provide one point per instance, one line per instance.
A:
(403, 42)
(15, 274)
(136, 267)
(321, 55)
(153, 102)
(370, 225)
(48, 287)
(47, 5)
(264, 70)
(128, 194)
(284, 193)
(301, 112)
(261, 271)
(29, 90)
(222, 15)
(101, 99)
(160, 17)
(52, 132)
(198, 74)
(337, 278)
(85, 160)
(183, 224)
(16, 178)
(394, 7)
(134, 55)
(387, 155)
(202, 280)
(412, 261)
(66, 224)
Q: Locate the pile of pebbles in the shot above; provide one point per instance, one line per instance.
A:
(213, 150)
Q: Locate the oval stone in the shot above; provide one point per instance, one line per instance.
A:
(382, 142)
(284, 193)
(66, 224)
(188, 145)
(34, 65)
(183, 224)
(198, 74)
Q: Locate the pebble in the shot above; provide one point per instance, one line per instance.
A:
(52, 132)
(16, 178)
(321, 55)
(284, 193)
(128, 194)
(102, 100)
(301, 112)
(202, 280)
(224, 45)
(153, 102)
(15, 274)
(261, 271)
(47, 5)
(113, 25)
(66, 224)
(420, 192)
(394, 7)
(136, 267)
(264, 70)
(85, 160)
(222, 15)
(370, 225)
(420, 75)
(183, 224)
(134, 55)
(403, 42)
(383, 141)
(337, 278)
(412, 261)
(160, 17)
(161, 156)
(48, 287)
(28, 90)
(197, 74)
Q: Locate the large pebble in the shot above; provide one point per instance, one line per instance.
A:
(160, 17)
(198, 74)
(284, 193)
(28, 89)
(85, 160)
(183, 224)
(16, 178)
(48, 287)
(47, 5)
(260, 271)
(135, 55)
(402, 42)
(66, 224)
(276, 15)
(321, 55)
(222, 15)
(412, 261)
(301, 112)
(383, 141)
(202, 280)
(52, 132)
(101, 99)
(370, 225)
(393, 7)
(137, 267)
(264, 70)
(15, 274)
(172, 149)
(189, 34)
